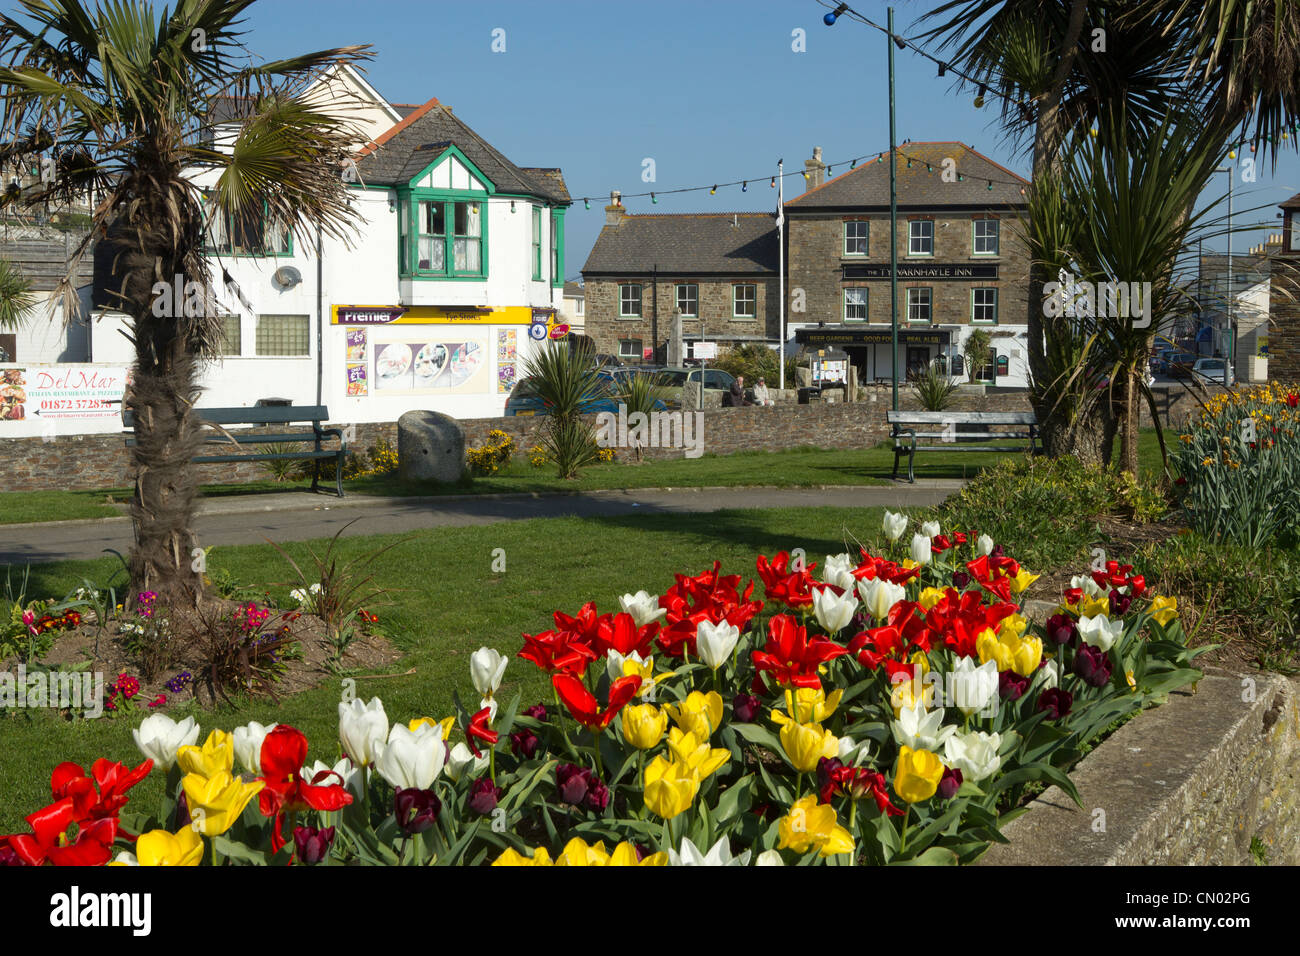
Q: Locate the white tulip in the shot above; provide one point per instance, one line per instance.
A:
(299, 595)
(159, 737)
(1100, 631)
(719, 855)
(919, 729)
(974, 688)
(834, 611)
(614, 663)
(1089, 587)
(921, 549)
(769, 858)
(930, 529)
(983, 545)
(1048, 676)
(363, 729)
(345, 770)
(643, 606)
(412, 760)
(126, 858)
(894, 525)
(486, 666)
(462, 763)
(854, 752)
(974, 754)
(879, 595)
(715, 642)
(491, 704)
(838, 570)
(247, 742)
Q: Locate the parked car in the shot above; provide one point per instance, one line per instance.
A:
(1180, 364)
(524, 400)
(1211, 371)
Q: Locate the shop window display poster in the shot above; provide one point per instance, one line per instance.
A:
(424, 366)
(356, 363)
(507, 360)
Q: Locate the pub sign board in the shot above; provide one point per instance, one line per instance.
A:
(923, 270)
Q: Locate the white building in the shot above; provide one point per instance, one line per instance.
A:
(455, 271)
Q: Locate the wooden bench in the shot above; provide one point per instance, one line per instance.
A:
(1019, 427)
(284, 416)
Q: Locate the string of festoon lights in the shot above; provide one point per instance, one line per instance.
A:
(909, 160)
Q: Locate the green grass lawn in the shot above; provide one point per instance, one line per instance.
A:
(799, 467)
(446, 603)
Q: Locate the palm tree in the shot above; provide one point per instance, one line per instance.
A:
(15, 295)
(118, 94)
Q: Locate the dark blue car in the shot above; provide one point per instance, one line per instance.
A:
(524, 401)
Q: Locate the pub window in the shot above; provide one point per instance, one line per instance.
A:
(629, 348)
(688, 299)
(283, 335)
(744, 301)
(920, 237)
(918, 305)
(984, 306)
(855, 238)
(855, 305)
(984, 240)
(629, 301)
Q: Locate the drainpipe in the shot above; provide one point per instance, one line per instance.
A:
(320, 316)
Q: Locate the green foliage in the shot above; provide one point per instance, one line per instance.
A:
(492, 456)
(568, 386)
(15, 295)
(641, 392)
(754, 359)
(281, 469)
(933, 387)
(976, 350)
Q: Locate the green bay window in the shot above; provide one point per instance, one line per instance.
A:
(537, 243)
(442, 238)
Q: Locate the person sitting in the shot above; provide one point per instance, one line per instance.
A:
(735, 397)
(761, 394)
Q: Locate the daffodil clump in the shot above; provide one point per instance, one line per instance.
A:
(1238, 464)
(880, 708)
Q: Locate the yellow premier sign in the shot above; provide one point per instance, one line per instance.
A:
(437, 315)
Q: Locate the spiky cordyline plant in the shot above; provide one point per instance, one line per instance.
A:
(568, 385)
(118, 93)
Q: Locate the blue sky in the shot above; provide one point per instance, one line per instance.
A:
(710, 89)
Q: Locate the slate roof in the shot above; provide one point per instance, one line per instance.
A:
(867, 186)
(399, 154)
(572, 290)
(1292, 203)
(685, 243)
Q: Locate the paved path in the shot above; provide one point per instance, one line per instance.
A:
(253, 519)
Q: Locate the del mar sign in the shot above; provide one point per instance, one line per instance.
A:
(927, 270)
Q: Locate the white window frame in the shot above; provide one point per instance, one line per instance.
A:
(913, 237)
(640, 302)
(677, 296)
(865, 238)
(631, 352)
(975, 237)
(974, 306)
(928, 305)
(866, 303)
(736, 299)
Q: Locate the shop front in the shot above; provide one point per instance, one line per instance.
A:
(870, 349)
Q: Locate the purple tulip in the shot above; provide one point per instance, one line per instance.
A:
(483, 796)
(597, 796)
(949, 783)
(524, 744)
(746, 707)
(415, 810)
(1093, 665)
(537, 712)
(1061, 629)
(826, 768)
(960, 579)
(1119, 603)
(1056, 702)
(313, 844)
(1012, 686)
(573, 782)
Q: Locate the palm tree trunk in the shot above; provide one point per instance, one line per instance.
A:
(1128, 455)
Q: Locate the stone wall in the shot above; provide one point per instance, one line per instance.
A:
(1284, 322)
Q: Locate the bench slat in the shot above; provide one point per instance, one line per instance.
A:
(961, 418)
(266, 456)
(259, 415)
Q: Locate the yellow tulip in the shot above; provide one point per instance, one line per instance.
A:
(700, 714)
(805, 744)
(216, 802)
(1012, 653)
(1164, 609)
(217, 755)
(160, 848)
(918, 775)
(696, 754)
(1022, 581)
(445, 725)
(577, 852)
(643, 725)
(810, 705)
(813, 826)
(929, 597)
(1012, 624)
(905, 693)
(1092, 607)
(669, 787)
(625, 855)
(511, 857)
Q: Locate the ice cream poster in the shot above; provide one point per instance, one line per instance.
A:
(424, 366)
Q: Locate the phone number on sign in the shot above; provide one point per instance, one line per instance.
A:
(91, 404)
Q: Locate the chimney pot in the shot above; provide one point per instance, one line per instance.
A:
(814, 170)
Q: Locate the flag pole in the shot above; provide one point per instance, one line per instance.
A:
(780, 256)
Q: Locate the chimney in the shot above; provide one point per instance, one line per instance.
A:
(614, 212)
(814, 170)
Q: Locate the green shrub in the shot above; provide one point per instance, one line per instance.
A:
(933, 387)
(754, 360)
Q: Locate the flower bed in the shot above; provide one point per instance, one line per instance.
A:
(891, 709)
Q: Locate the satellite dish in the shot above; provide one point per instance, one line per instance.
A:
(286, 277)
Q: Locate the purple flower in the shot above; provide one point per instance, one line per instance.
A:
(483, 796)
(960, 579)
(1056, 702)
(537, 712)
(1093, 665)
(524, 743)
(416, 810)
(826, 768)
(1061, 629)
(313, 844)
(573, 782)
(597, 796)
(1012, 686)
(1119, 603)
(746, 707)
(949, 783)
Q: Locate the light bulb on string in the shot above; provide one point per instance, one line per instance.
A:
(744, 186)
(834, 15)
(853, 165)
(929, 168)
(943, 68)
(979, 98)
(773, 182)
(654, 199)
(586, 204)
(990, 185)
(1232, 154)
(909, 163)
(714, 189)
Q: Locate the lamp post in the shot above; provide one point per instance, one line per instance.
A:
(1230, 360)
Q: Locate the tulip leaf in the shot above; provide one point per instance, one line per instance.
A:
(453, 854)
(779, 791)
(505, 722)
(934, 856)
(1036, 771)
(887, 836)
(758, 734)
(736, 799)
(231, 850)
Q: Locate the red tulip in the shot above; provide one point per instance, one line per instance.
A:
(792, 588)
(621, 634)
(790, 657)
(283, 753)
(48, 841)
(479, 729)
(557, 650)
(582, 704)
(113, 780)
